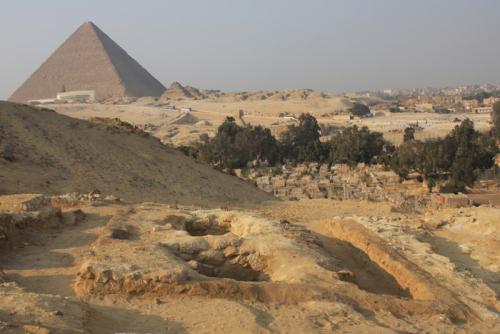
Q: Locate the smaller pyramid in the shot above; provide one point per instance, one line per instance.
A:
(176, 91)
(89, 60)
(185, 118)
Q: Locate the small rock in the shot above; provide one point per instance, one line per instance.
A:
(58, 313)
(33, 329)
(112, 198)
(73, 217)
(7, 152)
(120, 234)
(95, 192)
(105, 277)
(3, 277)
(193, 264)
(284, 222)
(346, 275)
(230, 252)
(442, 223)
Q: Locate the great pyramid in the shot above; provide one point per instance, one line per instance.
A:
(89, 60)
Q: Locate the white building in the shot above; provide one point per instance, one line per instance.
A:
(77, 96)
(42, 101)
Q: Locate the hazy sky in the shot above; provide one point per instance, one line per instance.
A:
(257, 44)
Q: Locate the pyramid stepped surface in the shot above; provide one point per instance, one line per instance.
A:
(89, 60)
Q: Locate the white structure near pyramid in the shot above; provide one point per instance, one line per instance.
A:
(89, 60)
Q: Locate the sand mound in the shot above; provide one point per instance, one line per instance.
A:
(185, 118)
(45, 152)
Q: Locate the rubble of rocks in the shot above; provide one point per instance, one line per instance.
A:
(340, 182)
(20, 215)
(114, 124)
(74, 199)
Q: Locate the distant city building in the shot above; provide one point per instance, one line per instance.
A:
(490, 101)
(424, 107)
(482, 110)
(470, 104)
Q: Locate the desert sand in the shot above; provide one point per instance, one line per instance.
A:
(291, 267)
(207, 114)
(56, 154)
(130, 236)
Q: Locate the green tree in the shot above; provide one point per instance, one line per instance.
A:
(404, 160)
(234, 146)
(227, 149)
(360, 110)
(473, 151)
(431, 183)
(354, 145)
(495, 118)
(409, 134)
(300, 143)
(261, 144)
(457, 157)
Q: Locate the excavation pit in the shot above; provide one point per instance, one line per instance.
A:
(361, 270)
(207, 226)
(233, 271)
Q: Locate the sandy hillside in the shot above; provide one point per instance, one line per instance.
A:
(50, 153)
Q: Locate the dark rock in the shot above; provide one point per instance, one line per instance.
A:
(120, 234)
(7, 152)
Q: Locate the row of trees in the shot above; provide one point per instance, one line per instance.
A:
(453, 160)
(495, 119)
(234, 146)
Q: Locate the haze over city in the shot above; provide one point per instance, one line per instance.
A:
(234, 45)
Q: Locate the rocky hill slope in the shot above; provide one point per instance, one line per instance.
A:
(42, 151)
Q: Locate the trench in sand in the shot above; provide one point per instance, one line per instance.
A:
(360, 269)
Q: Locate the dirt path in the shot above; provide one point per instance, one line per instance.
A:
(50, 262)
(463, 261)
